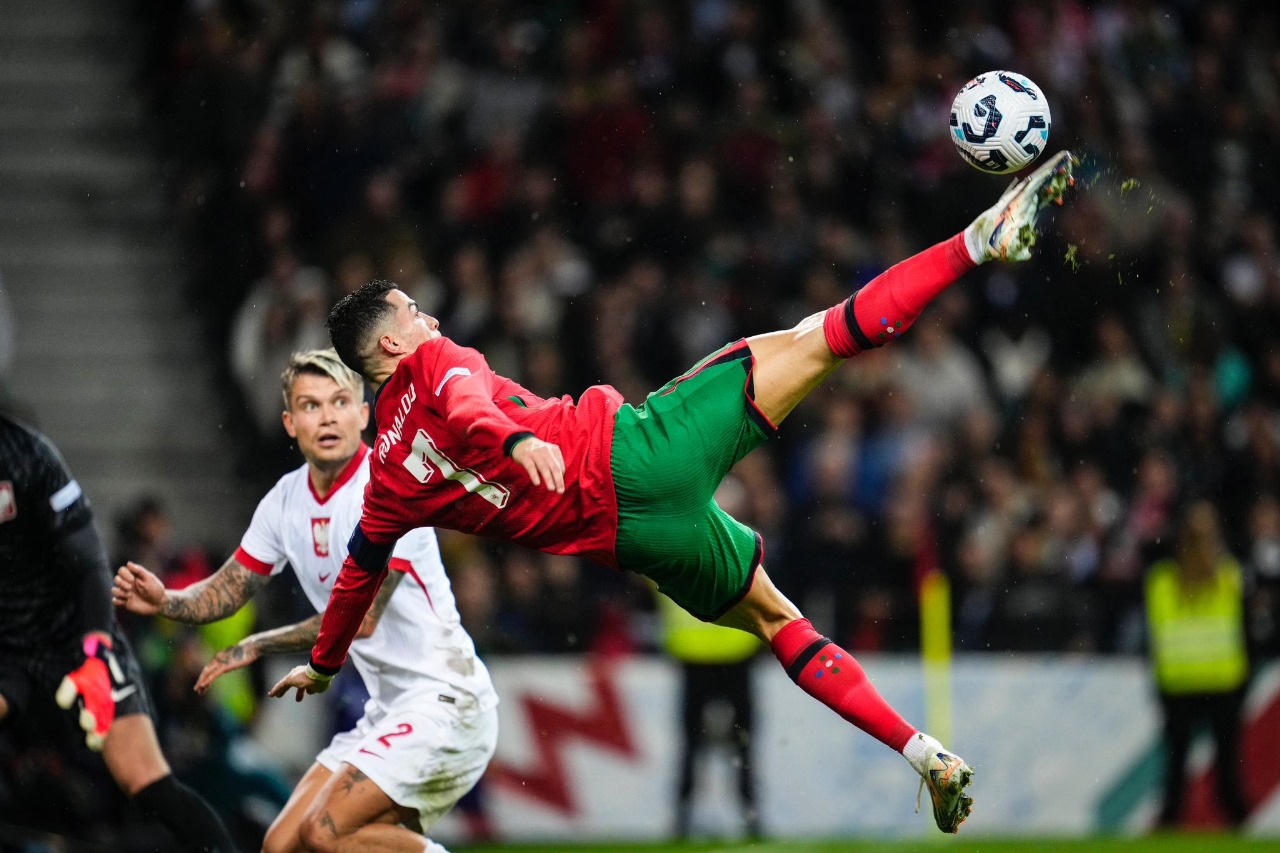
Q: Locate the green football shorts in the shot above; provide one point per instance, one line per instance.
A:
(669, 455)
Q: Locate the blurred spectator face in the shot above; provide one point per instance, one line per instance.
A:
(979, 430)
(649, 186)
(646, 279)
(277, 227)
(831, 469)
(1264, 530)
(150, 525)
(539, 189)
(471, 271)
(1064, 513)
(998, 482)
(929, 340)
(1156, 476)
(406, 264)
(544, 368)
(697, 189)
(1113, 340)
(977, 558)
(326, 419)
(382, 196)
(284, 266)
(352, 271)
(474, 590)
(1200, 545)
(522, 578)
(561, 571)
(1025, 552)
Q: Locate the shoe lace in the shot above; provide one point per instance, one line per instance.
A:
(919, 791)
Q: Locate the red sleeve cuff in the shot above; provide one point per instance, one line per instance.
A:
(252, 563)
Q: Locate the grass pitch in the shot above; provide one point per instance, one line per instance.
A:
(1207, 843)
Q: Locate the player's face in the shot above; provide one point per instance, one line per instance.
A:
(411, 326)
(325, 418)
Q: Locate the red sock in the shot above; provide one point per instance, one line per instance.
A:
(889, 303)
(830, 674)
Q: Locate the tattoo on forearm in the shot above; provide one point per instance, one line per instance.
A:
(328, 823)
(215, 597)
(287, 638)
(231, 655)
(384, 595)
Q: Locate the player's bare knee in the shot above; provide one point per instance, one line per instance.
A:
(4, 707)
(132, 754)
(763, 611)
(279, 840)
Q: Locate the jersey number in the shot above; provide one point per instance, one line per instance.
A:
(402, 729)
(424, 451)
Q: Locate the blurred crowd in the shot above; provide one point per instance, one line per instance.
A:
(605, 191)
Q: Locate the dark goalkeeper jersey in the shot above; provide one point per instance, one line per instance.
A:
(41, 582)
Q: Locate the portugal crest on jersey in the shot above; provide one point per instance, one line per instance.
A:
(320, 536)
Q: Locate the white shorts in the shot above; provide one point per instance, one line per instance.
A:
(423, 752)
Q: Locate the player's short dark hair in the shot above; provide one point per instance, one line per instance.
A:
(354, 319)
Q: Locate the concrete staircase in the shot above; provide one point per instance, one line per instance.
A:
(108, 359)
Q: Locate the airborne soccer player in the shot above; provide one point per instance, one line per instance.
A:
(631, 486)
(431, 724)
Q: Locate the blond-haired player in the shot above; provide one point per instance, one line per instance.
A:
(430, 726)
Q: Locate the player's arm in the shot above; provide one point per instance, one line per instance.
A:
(216, 597)
(77, 552)
(83, 557)
(288, 638)
(354, 590)
(466, 387)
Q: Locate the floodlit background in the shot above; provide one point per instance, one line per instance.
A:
(604, 191)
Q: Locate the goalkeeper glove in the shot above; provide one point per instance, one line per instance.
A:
(96, 685)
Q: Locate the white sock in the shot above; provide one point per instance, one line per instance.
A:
(919, 748)
(973, 243)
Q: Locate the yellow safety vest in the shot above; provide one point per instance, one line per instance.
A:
(1197, 635)
(690, 640)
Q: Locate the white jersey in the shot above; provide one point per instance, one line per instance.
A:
(420, 645)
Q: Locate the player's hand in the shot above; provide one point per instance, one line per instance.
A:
(137, 590)
(231, 658)
(303, 680)
(542, 461)
(96, 685)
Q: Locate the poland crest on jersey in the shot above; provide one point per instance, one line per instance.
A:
(320, 536)
(8, 504)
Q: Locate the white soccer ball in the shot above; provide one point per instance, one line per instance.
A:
(1000, 122)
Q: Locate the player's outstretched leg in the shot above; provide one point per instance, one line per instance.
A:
(830, 674)
(791, 363)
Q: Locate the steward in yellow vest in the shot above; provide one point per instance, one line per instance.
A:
(1196, 628)
(716, 669)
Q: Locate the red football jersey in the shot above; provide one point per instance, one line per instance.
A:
(439, 461)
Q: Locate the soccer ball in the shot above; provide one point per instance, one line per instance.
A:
(1000, 122)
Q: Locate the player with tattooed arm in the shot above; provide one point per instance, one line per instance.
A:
(430, 726)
